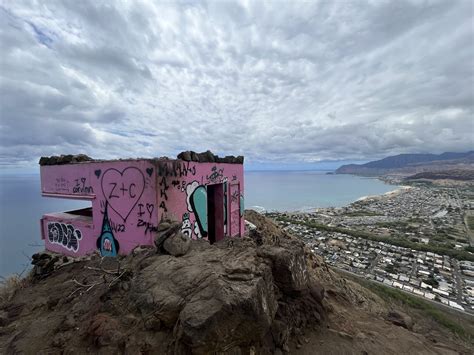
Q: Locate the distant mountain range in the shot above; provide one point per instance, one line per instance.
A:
(406, 164)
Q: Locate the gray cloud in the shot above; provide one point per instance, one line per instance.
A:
(274, 81)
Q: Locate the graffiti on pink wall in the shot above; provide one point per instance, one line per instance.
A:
(65, 235)
(106, 243)
(122, 189)
(130, 198)
(120, 192)
(183, 192)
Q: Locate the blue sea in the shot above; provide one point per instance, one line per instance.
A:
(21, 204)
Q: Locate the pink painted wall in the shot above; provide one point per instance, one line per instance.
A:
(126, 189)
(69, 236)
(179, 183)
(130, 197)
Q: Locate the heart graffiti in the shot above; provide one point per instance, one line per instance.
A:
(150, 207)
(123, 189)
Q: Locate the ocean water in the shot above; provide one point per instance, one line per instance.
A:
(21, 204)
(21, 208)
(305, 190)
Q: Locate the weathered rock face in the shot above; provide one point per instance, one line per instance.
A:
(213, 296)
(181, 296)
(289, 267)
(230, 293)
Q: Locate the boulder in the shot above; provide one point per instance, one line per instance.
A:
(43, 264)
(401, 319)
(195, 157)
(207, 157)
(186, 156)
(166, 230)
(227, 293)
(177, 244)
(289, 265)
(211, 296)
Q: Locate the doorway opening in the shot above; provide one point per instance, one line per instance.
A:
(215, 212)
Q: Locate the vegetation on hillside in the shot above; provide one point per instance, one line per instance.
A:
(439, 249)
(443, 318)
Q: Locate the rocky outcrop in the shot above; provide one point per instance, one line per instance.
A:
(267, 294)
(232, 293)
(180, 296)
(209, 157)
(204, 157)
(64, 159)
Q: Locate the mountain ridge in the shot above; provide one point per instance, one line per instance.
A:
(410, 163)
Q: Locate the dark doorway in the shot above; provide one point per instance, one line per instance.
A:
(215, 212)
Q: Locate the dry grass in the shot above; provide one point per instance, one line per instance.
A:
(8, 286)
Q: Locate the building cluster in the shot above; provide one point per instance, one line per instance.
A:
(431, 216)
(426, 215)
(430, 275)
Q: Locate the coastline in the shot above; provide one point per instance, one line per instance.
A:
(414, 253)
(392, 193)
(313, 209)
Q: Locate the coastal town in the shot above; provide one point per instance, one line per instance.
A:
(416, 239)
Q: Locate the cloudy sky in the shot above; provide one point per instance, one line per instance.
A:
(276, 81)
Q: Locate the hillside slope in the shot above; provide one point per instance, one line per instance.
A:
(263, 294)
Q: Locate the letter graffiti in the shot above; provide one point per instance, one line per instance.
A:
(81, 188)
(149, 227)
(62, 185)
(180, 185)
(163, 188)
(117, 227)
(106, 243)
(216, 175)
(122, 195)
(176, 169)
(197, 203)
(146, 209)
(235, 196)
(149, 208)
(65, 235)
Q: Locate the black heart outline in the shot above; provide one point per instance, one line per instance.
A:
(150, 207)
(121, 174)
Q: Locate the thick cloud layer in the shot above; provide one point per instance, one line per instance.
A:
(275, 81)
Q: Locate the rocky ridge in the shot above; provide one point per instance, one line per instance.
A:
(262, 294)
(181, 296)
